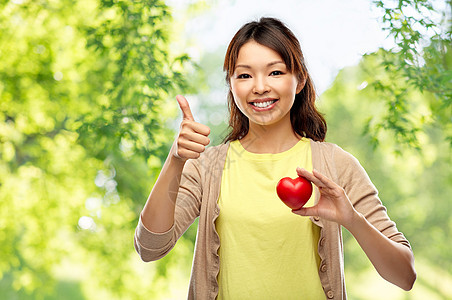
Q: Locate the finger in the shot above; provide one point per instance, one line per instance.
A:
(185, 108)
(197, 127)
(181, 151)
(186, 154)
(197, 138)
(325, 180)
(190, 146)
(309, 176)
(306, 211)
(202, 129)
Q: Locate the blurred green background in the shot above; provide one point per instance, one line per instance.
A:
(87, 115)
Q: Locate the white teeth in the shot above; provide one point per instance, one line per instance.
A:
(263, 104)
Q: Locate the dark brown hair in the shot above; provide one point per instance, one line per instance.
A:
(306, 120)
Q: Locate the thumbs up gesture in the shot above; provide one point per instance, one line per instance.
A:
(193, 137)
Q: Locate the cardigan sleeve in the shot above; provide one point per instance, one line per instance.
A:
(364, 195)
(153, 246)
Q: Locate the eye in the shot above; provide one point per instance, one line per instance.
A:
(276, 73)
(243, 76)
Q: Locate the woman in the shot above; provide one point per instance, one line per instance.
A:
(249, 245)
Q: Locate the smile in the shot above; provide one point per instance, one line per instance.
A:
(264, 104)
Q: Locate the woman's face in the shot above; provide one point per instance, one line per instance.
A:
(263, 89)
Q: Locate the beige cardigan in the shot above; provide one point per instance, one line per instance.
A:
(197, 197)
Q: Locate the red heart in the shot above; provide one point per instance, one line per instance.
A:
(294, 192)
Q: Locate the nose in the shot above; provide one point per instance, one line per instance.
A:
(260, 85)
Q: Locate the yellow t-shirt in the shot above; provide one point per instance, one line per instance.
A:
(266, 251)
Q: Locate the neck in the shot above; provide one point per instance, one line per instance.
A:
(269, 138)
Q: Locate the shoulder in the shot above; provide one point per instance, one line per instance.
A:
(338, 162)
(214, 154)
(330, 152)
(212, 157)
(324, 147)
(217, 150)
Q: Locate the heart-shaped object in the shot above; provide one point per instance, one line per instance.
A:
(294, 192)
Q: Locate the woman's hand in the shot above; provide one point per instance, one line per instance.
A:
(393, 261)
(193, 137)
(333, 204)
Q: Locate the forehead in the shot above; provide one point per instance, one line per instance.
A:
(253, 53)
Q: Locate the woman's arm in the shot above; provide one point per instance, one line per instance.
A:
(393, 261)
(158, 213)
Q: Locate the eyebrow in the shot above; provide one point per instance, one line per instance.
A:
(268, 65)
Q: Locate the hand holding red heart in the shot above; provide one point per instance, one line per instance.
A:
(193, 137)
(333, 204)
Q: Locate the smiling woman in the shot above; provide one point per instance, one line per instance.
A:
(263, 89)
(249, 244)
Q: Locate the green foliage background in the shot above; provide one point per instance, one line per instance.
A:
(83, 133)
(86, 111)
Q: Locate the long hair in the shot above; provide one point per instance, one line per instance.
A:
(270, 32)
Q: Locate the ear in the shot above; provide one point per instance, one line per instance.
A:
(300, 85)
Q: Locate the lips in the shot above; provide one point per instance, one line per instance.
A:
(263, 104)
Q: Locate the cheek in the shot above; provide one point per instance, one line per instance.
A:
(291, 87)
(239, 94)
(238, 102)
